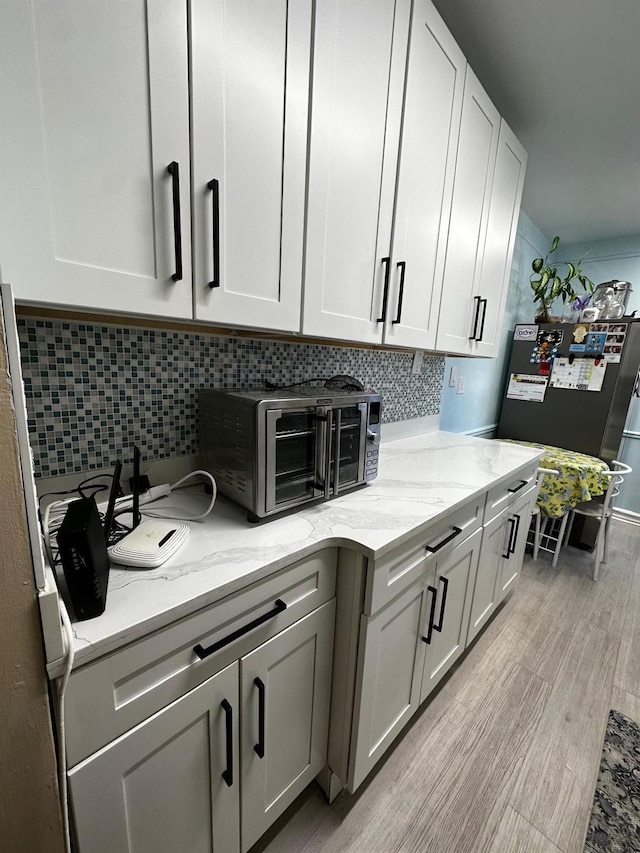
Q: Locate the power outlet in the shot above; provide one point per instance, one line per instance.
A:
(417, 361)
(453, 377)
(460, 386)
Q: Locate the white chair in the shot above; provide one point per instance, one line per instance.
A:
(540, 529)
(603, 511)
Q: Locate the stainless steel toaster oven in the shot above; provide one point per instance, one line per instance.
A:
(273, 450)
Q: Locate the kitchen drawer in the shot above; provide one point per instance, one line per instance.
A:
(396, 571)
(502, 495)
(106, 698)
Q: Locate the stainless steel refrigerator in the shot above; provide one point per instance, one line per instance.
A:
(588, 421)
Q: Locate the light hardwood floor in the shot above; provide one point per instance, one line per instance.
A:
(504, 758)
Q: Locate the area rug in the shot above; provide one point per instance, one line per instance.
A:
(614, 826)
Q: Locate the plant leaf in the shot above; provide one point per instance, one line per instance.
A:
(572, 271)
(554, 244)
(536, 265)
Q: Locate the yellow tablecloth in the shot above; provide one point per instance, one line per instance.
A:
(579, 479)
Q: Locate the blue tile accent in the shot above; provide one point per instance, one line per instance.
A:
(93, 391)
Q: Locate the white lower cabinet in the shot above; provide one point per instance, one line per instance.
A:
(451, 593)
(212, 771)
(160, 787)
(501, 556)
(406, 649)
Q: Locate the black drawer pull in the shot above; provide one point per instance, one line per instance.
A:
(432, 613)
(203, 653)
(259, 747)
(445, 586)
(214, 186)
(516, 531)
(402, 265)
(523, 483)
(385, 293)
(174, 170)
(472, 336)
(512, 522)
(432, 549)
(484, 317)
(227, 774)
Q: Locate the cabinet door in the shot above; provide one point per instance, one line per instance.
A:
(512, 564)
(285, 688)
(390, 664)
(250, 91)
(486, 593)
(430, 127)
(358, 78)
(160, 787)
(504, 209)
(446, 634)
(469, 215)
(95, 104)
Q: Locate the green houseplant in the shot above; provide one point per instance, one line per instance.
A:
(548, 285)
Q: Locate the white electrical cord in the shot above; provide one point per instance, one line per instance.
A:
(177, 485)
(62, 749)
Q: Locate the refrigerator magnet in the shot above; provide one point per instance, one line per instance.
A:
(525, 332)
(580, 333)
(594, 343)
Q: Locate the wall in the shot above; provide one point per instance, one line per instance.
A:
(478, 408)
(93, 391)
(29, 807)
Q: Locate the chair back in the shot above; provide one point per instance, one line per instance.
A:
(616, 472)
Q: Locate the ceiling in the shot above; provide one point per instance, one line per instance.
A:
(565, 74)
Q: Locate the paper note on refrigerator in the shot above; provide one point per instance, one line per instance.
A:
(583, 375)
(527, 386)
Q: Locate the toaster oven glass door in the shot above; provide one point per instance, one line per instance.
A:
(295, 452)
(348, 440)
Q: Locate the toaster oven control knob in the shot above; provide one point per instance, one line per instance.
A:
(373, 437)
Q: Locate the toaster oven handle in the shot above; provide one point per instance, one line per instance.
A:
(336, 461)
(327, 451)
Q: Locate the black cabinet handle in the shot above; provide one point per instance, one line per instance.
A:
(174, 170)
(472, 336)
(385, 293)
(203, 653)
(523, 483)
(484, 317)
(512, 522)
(433, 549)
(214, 186)
(516, 531)
(445, 586)
(227, 774)
(401, 265)
(432, 613)
(259, 747)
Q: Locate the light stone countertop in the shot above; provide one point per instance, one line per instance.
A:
(419, 479)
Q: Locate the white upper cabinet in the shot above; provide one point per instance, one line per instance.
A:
(430, 127)
(358, 75)
(504, 209)
(249, 89)
(94, 107)
(460, 313)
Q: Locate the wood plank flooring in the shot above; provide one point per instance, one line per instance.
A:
(504, 758)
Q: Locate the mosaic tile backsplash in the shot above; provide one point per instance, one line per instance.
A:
(93, 391)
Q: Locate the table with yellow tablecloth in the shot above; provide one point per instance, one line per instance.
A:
(580, 478)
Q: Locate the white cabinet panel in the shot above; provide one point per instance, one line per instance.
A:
(98, 110)
(454, 582)
(460, 314)
(512, 563)
(159, 788)
(358, 74)
(495, 539)
(390, 672)
(285, 686)
(249, 81)
(430, 127)
(504, 209)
